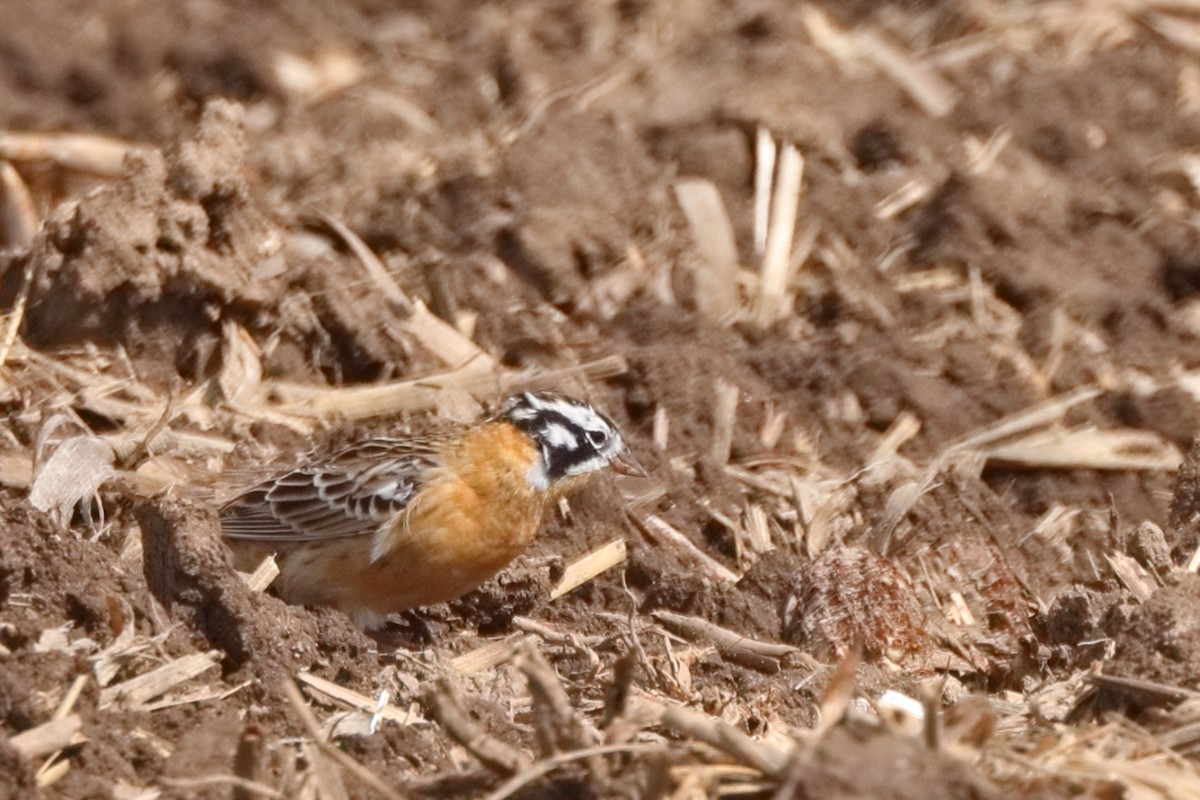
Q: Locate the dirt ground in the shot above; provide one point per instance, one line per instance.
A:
(933, 489)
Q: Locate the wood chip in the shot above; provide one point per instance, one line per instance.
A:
(57, 734)
(328, 71)
(1132, 576)
(758, 529)
(581, 571)
(902, 430)
(16, 470)
(144, 688)
(962, 611)
(1193, 564)
(263, 576)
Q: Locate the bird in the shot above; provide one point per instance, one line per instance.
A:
(389, 525)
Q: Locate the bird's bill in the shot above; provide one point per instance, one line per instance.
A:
(625, 464)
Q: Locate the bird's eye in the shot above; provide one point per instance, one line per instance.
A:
(597, 438)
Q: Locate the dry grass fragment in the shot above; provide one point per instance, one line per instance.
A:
(904, 198)
(204, 694)
(96, 155)
(1180, 32)
(13, 326)
(320, 746)
(659, 530)
(354, 699)
(765, 758)
(240, 375)
(547, 765)
(494, 754)
(489, 655)
(557, 725)
(1089, 448)
(1037, 416)
(725, 405)
(421, 394)
(18, 215)
(72, 475)
(234, 782)
(579, 572)
(754, 653)
(661, 430)
(781, 231)
(1159, 692)
(765, 151)
(143, 688)
(932, 93)
(434, 334)
(327, 72)
(708, 221)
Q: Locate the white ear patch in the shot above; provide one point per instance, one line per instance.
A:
(560, 436)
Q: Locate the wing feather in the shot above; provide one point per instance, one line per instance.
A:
(351, 493)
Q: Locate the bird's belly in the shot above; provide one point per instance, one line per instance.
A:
(446, 546)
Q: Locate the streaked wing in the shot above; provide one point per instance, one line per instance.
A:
(351, 493)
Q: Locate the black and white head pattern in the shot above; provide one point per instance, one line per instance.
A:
(574, 438)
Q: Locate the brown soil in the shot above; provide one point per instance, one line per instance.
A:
(514, 167)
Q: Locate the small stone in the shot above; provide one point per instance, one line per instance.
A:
(1149, 547)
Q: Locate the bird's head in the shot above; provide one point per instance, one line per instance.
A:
(573, 438)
